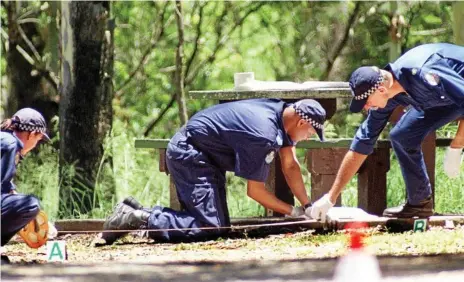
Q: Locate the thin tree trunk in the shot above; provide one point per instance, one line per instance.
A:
(458, 22)
(395, 42)
(84, 101)
(24, 85)
(340, 44)
(179, 75)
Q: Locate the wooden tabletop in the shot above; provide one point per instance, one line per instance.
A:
(309, 89)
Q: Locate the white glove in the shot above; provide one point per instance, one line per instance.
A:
(452, 162)
(307, 212)
(321, 207)
(297, 212)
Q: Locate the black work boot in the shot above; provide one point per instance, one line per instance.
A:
(423, 209)
(124, 217)
(5, 260)
(132, 202)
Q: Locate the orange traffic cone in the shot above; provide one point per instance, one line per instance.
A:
(358, 264)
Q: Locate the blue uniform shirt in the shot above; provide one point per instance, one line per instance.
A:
(10, 146)
(431, 74)
(242, 136)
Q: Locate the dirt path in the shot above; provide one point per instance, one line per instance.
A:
(435, 255)
(429, 268)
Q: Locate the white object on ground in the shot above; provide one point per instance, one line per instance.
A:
(349, 213)
(452, 161)
(56, 251)
(52, 232)
(358, 264)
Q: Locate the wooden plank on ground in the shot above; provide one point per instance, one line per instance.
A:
(289, 224)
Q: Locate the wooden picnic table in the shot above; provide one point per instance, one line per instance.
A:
(322, 159)
(323, 162)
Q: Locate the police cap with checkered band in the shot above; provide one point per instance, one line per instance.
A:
(312, 112)
(363, 82)
(28, 119)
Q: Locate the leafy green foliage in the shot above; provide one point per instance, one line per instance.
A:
(276, 40)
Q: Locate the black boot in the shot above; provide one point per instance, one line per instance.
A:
(5, 260)
(124, 217)
(132, 202)
(424, 209)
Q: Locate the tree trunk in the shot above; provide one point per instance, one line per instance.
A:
(458, 19)
(24, 85)
(53, 38)
(84, 100)
(179, 75)
(395, 42)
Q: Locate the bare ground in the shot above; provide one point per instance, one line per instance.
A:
(299, 256)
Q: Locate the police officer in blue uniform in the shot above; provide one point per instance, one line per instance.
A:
(18, 136)
(429, 80)
(243, 137)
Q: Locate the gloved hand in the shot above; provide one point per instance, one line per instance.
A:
(297, 212)
(307, 211)
(321, 207)
(452, 162)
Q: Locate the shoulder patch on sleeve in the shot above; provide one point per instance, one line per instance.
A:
(432, 78)
(279, 140)
(270, 157)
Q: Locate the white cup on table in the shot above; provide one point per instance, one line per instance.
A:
(243, 78)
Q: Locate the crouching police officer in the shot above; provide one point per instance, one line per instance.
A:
(430, 80)
(19, 135)
(242, 137)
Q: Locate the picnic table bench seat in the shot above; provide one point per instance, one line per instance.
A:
(323, 160)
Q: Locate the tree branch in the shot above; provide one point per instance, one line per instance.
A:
(411, 15)
(157, 34)
(154, 122)
(29, 43)
(179, 75)
(197, 41)
(341, 43)
(36, 64)
(221, 41)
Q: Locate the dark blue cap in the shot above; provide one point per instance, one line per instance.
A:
(28, 119)
(363, 82)
(311, 111)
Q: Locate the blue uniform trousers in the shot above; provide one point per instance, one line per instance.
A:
(17, 211)
(201, 191)
(406, 138)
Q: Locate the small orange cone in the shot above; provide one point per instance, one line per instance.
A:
(357, 264)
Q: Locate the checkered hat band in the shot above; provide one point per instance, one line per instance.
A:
(311, 121)
(27, 127)
(371, 90)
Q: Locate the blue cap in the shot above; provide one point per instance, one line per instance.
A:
(363, 82)
(28, 119)
(312, 112)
